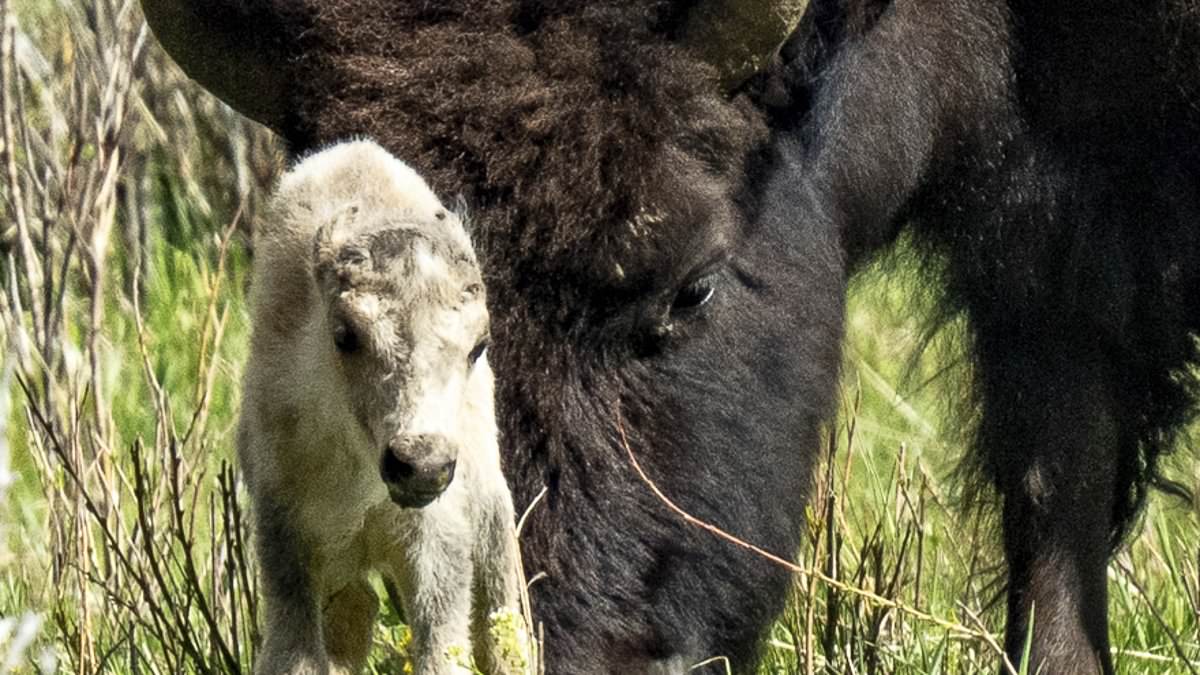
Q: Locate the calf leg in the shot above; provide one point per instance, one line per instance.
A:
(1051, 438)
(292, 630)
(435, 577)
(349, 619)
(498, 579)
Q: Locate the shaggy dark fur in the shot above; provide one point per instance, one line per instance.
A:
(1043, 152)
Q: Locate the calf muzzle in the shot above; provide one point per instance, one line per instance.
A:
(417, 469)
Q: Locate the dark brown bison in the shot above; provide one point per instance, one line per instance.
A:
(668, 254)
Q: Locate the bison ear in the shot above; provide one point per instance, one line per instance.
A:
(237, 49)
(784, 86)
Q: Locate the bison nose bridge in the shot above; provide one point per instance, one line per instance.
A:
(418, 467)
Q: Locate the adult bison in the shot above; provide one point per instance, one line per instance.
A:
(670, 258)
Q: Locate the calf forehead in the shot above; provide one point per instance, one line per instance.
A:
(424, 252)
(407, 271)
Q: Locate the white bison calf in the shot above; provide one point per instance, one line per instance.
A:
(367, 432)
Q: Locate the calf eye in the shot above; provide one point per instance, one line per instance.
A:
(477, 351)
(345, 339)
(695, 294)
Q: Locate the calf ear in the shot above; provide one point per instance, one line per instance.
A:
(337, 262)
(324, 256)
(236, 49)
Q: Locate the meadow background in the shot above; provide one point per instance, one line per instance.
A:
(127, 199)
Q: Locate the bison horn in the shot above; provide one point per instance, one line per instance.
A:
(738, 37)
(220, 45)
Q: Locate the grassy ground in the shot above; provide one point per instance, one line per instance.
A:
(127, 195)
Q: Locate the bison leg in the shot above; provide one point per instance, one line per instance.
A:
(1051, 439)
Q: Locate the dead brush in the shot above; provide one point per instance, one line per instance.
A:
(114, 171)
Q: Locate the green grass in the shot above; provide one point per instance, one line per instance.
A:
(123, 533)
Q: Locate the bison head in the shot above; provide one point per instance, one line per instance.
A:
(651, 286)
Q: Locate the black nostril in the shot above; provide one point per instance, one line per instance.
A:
(394, 470)
(405, 470)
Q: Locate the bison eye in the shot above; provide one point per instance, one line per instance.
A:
(695, 294)
(345, 339)
(477, 351)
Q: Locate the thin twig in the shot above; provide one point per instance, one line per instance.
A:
(870, 596)
(1006, 662)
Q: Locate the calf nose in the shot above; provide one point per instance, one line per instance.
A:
(417, 468)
